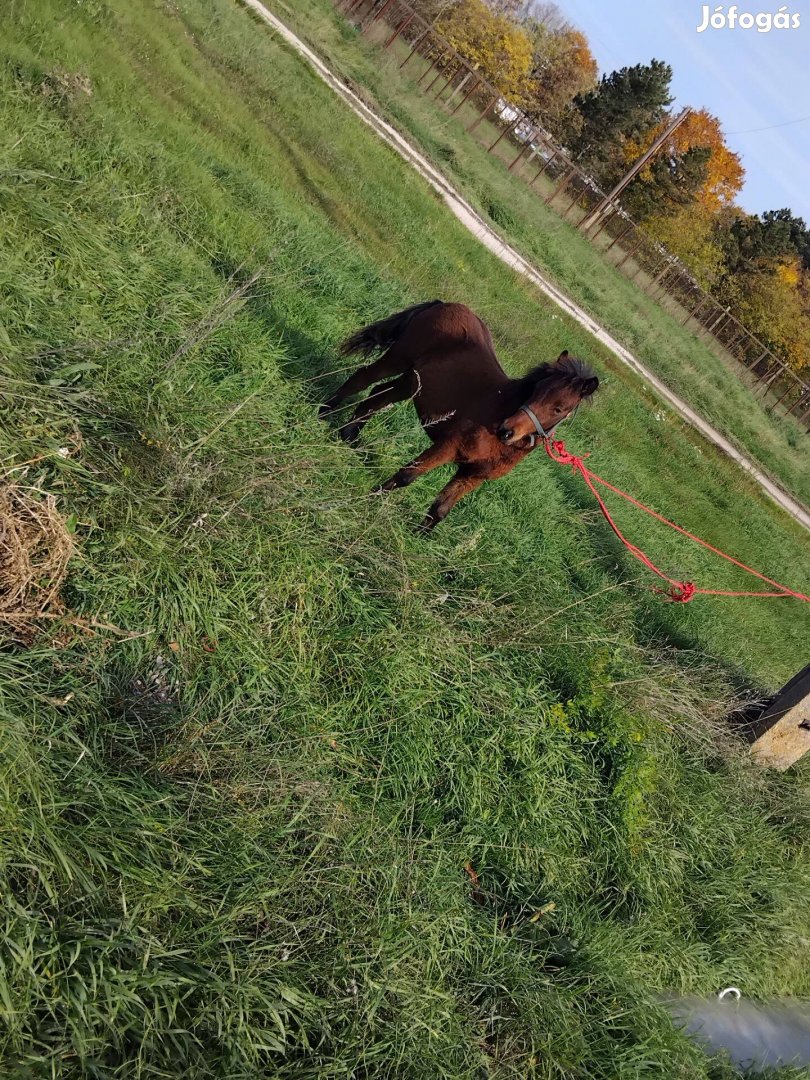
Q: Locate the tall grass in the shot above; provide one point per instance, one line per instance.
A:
(234, 844)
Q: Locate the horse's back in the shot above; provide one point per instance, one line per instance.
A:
(458, 373)
(447, 325)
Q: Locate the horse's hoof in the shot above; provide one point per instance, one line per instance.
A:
(325, 411)
(426, 526)
(350, 434)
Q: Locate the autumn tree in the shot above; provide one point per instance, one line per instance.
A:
(765, 276)
(724, 173)
(563, 66)
(771, 306)
(499, 48)
(689, 234)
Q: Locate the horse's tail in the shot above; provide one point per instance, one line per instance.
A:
(383, 334)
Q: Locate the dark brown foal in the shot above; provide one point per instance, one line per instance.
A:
(442, 357)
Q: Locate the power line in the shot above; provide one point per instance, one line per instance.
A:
(769, 127)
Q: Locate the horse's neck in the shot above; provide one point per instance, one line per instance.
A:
(518, 390)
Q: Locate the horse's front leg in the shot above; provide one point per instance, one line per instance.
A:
(461, 484)
(441, 453)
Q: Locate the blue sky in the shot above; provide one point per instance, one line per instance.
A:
(747, 79)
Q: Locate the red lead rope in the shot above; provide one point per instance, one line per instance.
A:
(679, 591)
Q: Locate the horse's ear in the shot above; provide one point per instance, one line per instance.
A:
(589, 386)
(563, 355)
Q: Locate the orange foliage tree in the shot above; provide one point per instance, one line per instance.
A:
(724, 170)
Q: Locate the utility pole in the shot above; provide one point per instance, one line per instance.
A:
(596, 214)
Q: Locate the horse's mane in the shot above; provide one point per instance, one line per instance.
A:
(568, 370)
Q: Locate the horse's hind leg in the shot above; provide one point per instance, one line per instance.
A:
(381, 398)
(389, 364)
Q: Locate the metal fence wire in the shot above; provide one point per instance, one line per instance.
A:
(528, 151)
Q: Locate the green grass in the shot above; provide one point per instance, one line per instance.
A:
(234, 845)
(714, 385)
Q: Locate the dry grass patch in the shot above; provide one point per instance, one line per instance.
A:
(36, 547)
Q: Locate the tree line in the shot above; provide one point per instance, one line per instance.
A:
(685, 198)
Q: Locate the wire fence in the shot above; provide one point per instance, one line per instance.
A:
(529, 152)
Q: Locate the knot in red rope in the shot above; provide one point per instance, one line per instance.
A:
(555, 448)
(682, 592)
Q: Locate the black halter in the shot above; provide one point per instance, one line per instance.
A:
(541, 431)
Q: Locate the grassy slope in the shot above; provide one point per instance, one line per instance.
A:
(713, 387)
(243, 854)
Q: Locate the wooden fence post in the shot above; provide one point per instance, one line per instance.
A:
(770, 376)
(435, 78)
(526, 146)
(428, 70)
(629, 253)
(543, 168)
(802, 398)
(780, 736)
(467, 96)
(620, 236)
(506, 131)
(693, 314)
(567, 210)
(637, 270)
(759, 359)
(416, 45)
(486, 112)
(442, 89)
(662, 288)
(378, 14)
(462, 84)
(400, 29)
(740, 337)
(768, 373)
(779, 400)
(563, 184)
(723, 315)
(606, 218)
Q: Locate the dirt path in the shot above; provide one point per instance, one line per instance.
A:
(479, 228)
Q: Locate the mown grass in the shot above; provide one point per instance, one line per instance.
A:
(235, 844)
(715, 387)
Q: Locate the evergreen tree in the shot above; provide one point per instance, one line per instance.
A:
(783, 227)
(624, 105)
(754, 242)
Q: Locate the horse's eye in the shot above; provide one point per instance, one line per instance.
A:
(557, 411)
